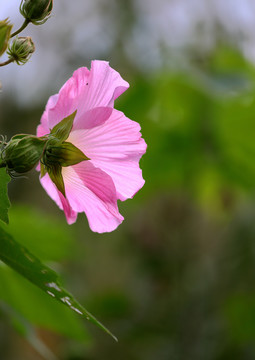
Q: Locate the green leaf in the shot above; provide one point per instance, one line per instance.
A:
(54, 243)
(22, 301)
(4, 200)
(26, 264)
(62, 130)
(43, 170)
(5, 33)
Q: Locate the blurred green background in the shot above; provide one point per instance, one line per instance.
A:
(177, 279)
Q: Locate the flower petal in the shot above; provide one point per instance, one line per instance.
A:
(115, 147)
(104, 85)
(85, 90)
(92, 118)
(41, 130)
(90, 190)
(71, 93)
(44, 127)
(59, 199)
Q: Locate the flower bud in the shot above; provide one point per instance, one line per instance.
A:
(36, 11)
(22, 153)
(5, 33)
(21, 49)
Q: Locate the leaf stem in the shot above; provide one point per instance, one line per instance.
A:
(7, 62)
(24, 25)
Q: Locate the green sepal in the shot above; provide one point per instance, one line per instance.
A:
(43, 170)
(19, 136)
(64, 154)
(55, 173)
(62, 130)
(5, 33)
(71, 155)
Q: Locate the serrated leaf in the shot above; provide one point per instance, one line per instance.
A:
(4, 200)
(26, 264)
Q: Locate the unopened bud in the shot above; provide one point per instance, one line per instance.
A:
(5, 33)
(36, 11)
(22, 153)
(21, 49)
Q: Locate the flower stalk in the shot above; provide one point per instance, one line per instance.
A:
(7, 62)
(23, 26)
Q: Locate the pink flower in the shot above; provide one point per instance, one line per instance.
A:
(110, 141)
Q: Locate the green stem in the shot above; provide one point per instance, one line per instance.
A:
(7, 62)
(24, 25)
